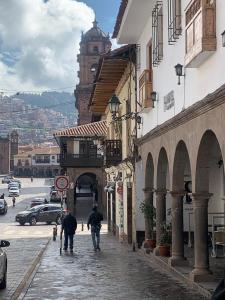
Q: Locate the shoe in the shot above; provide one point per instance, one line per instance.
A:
(65, 249)
(71, 250)
(95, 249)
(98, 248)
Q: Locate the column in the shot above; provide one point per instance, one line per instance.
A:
(177, 257)
(160, 214)
(201, 270)
(148, 192)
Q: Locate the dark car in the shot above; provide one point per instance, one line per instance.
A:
(38, 201)
(41, 213)
(3, 264)
(6, 179)
(3, 207)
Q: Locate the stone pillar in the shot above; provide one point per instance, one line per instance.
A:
(148, 192)
(201, 270)
(177, 257)
(160, 213)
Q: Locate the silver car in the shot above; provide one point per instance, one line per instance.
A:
(3, 264)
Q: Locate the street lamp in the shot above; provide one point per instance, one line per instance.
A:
(223, 38)
(114, 104)
(179, 71)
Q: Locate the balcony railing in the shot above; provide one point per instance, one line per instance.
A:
(81, 160)
(145, 88)
(113, 152)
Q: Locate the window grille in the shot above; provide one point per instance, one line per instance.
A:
(157, 33)
(138, 56)
(174, 20)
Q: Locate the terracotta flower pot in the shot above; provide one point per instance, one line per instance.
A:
(150, 243)
(164, 250)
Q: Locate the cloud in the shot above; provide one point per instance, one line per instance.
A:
(39, 41)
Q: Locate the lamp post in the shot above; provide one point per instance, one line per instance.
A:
(223, 38)
(114, 104)
(179, 71)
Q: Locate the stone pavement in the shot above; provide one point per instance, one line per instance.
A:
(22, 256)
(114, 273)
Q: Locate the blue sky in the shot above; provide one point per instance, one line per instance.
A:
(106, 12)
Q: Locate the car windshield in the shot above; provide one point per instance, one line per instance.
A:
(13, 188)
(1, 202)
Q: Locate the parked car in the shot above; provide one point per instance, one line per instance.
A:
(3, 264)
(6, 179)
(40, 213)
(38, 201)
(13, 183)
(54, 196)
(3, 207)
(14, 191)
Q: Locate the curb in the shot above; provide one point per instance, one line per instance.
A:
(174, 272)
(24, 284)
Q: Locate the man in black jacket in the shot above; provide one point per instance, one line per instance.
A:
(69, 226)
(94, 220)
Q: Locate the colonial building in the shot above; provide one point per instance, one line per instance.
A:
(93, 43)
(181, 92)
(4, 155)
(39, 162)
(114, 88)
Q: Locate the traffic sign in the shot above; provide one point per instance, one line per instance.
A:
(61, 182)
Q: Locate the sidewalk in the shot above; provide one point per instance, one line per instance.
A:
(114, 273)
(23, 256)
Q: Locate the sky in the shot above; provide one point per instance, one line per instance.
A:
(38, 47)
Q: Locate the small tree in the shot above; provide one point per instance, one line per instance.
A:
(149, 212)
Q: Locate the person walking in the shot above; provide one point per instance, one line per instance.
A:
(69, 226)
(14, 201)
(94, 220)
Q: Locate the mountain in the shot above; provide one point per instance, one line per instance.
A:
(59, 101)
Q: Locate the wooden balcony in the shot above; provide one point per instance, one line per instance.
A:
(200, 32)
(81, 161)
(145, 89)
(113, 152)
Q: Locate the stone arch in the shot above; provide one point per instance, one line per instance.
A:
(162, 178)
(149, 172)
(209, 154)
(181, 171)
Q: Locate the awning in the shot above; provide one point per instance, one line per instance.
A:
(90, 129)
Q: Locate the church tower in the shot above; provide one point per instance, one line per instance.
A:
(14, 146)
(93, 43)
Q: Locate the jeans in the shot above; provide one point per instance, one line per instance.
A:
(66, 237)
(95, 234)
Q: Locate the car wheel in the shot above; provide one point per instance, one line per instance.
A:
(33, 221)
(49, 222)
(4, 281)
(22, 223)
(58, 220)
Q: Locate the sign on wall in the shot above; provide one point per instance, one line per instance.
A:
(169, 101)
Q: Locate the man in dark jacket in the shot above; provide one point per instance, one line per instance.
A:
(69, 226)
(94, 220)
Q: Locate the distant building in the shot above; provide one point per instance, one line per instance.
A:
(93, 43)
(4, 155)
(14, 140)
(39, 162)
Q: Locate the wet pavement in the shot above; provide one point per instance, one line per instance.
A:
(114, 273)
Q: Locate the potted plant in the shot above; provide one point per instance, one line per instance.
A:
(165, 240)
(149, 211)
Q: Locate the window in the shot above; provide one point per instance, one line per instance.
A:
(53, 157)
(95, 49)
(157, 34)
(174, 20)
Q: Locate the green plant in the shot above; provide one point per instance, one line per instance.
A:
(166, 236)
(149, 212)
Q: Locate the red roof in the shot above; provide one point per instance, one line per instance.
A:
(91, 129)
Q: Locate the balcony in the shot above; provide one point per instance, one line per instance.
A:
(200, 32)
(81, 161)
(113, 152)
(145, 89)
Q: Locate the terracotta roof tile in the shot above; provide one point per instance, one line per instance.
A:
(96, 128)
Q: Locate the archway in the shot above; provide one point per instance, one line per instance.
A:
(162, 203)
(148, 207)
(209, 188)
(86, 194)
(181, 206)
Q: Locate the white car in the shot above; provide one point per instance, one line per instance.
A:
(13, 184)
(14, 191)
(3, 264)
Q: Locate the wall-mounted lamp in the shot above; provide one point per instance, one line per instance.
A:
(179, 71)
(153, 97)
(114, 104)
(223, 38)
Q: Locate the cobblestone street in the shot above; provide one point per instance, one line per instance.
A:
(114, 273)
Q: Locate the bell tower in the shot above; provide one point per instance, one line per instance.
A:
(93, 43)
